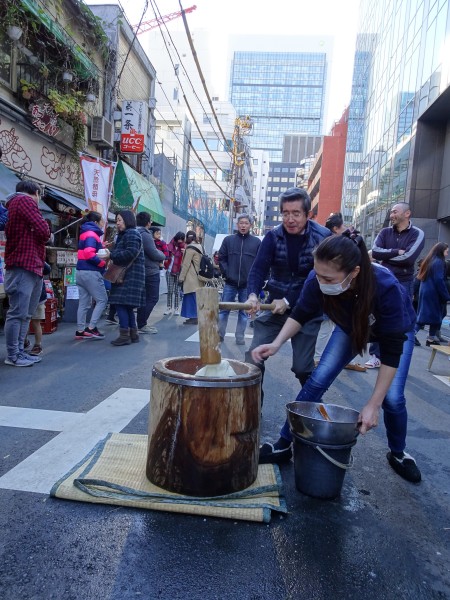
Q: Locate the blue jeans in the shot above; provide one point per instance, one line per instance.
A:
(151, 299)
(229, 295)
(336, 355)
(24, 289)
(127, 320)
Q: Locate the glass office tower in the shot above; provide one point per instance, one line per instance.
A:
(283, 92)
(399, 109)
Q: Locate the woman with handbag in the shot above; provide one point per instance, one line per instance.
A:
(89, 273)
(128, 253)
(189, 278)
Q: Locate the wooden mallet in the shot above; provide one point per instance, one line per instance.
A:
(208, 306)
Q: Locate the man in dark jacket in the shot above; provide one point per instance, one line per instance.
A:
(397, 248)
(26, 235)
(153, 257)
(236, 256)
(285, 259)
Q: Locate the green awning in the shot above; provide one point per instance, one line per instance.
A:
(133, 191)
(86, 67)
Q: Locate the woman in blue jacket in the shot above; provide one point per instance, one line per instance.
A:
(433, 293)
(366, 303)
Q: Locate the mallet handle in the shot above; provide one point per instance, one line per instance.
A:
(243, 306)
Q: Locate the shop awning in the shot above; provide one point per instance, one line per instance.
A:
(8, 182)
(66, 198)
(75, 201)
(132, 190)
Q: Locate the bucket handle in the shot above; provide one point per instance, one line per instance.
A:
(335, 462)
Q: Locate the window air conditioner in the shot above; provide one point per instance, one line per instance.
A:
(102, 132)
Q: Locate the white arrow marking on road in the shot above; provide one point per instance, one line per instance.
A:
(79, 434)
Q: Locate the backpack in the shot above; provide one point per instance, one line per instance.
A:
(206, 271)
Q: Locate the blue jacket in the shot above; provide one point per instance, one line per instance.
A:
(392, 312)
(272, 264)
(433, 294)
(387, 244)
(3, 217)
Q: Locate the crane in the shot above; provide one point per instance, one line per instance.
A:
(149, 25)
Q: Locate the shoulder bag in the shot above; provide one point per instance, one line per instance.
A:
(116, 273)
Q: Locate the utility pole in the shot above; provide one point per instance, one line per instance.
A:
(242, 126)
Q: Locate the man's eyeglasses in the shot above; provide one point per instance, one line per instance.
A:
(296, 214)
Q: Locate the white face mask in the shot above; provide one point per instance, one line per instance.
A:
(334, 289)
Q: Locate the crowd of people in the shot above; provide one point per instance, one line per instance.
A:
(331, 296)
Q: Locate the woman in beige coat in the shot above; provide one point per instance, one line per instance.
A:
(189, 278)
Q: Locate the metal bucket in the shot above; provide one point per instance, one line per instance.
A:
(320, 468)
(203, 434)
(306, 421)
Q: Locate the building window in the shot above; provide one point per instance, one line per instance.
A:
(255, 161)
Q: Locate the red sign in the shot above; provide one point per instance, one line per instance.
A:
(132, 143)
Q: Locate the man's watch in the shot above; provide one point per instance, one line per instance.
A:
(287, 303)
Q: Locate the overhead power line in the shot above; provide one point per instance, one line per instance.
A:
(184, 95)
(194, 54)
(226, 142)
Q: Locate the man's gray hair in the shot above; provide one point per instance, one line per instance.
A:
(244, 216)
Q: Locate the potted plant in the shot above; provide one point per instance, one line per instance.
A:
(69, 107)
(44, 71)
(67, 76)
(29, 89)
(12, 19)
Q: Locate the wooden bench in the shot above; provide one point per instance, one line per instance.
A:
(442, 349)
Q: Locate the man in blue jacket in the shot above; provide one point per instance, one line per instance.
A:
(236, 256)
(285, 259)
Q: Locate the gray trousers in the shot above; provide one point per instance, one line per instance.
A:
(91, 285)
(266, 328)
(24, 290)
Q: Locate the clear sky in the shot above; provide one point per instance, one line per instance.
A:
(290, 17)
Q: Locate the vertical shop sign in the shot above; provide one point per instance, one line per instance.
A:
(134, 127)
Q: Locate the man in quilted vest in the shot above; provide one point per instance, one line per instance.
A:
(284, 260)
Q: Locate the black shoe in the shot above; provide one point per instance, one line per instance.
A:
(434, 342)
(268, 454)
(240, 342)
(190, 322)
(416, 341)
(405, 467)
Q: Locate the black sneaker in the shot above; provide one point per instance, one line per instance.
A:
(405, 467)
(94, 333)
(269, 454)
(416, 341)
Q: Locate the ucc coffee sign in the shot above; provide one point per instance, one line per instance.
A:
(134, 127)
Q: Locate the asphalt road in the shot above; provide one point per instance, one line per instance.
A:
(383, 538)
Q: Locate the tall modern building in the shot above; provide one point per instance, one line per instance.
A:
(281, 83)
(282, 176)
(400, 108)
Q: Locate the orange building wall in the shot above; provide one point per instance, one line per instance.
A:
(327, 173)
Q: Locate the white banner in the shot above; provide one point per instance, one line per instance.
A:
(97, 178)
